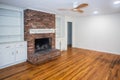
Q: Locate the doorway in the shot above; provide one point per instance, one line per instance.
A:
(69, 34)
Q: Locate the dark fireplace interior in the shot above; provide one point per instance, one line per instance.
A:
(43, 44)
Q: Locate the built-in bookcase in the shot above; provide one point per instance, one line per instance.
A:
(60, 29)
(60, 32)
(11, 24)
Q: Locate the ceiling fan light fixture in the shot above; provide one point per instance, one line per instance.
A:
(75, 4)
(95, 12)
(116, 2)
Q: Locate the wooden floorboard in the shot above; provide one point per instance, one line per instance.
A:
(74, 64)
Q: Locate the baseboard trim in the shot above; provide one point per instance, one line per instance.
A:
(96, 51)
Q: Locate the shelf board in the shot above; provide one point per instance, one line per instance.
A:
(10, 16)
(17, 26)
(9, 35)
(10, 9)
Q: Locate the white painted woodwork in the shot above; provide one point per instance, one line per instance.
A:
(12, 53)
(11, 24)
(41, 31)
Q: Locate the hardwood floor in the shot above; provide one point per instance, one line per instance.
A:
(74, 64)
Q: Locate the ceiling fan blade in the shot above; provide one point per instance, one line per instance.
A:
(64, 9)
(78, 10)
(81, 6)
(81, 11)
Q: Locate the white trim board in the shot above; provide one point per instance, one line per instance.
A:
(38, 31)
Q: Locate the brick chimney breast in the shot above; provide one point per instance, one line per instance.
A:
(37, 20)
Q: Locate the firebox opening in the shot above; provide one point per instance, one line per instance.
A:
(43, 44)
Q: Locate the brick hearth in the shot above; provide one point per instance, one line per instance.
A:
(38, 20)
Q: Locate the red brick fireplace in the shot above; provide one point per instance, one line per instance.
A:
(39, 20)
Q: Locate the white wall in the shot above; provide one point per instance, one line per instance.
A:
(101, 33)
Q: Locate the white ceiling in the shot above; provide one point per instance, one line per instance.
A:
(52, 6)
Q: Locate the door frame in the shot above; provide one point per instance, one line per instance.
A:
(69, 19)
(69, 28)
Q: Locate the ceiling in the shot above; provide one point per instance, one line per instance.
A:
(52, 6)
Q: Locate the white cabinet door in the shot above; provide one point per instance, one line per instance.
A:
(58, 43)
(21, 52)
(7, 56)
(12, 53)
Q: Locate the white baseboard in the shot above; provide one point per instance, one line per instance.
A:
(17, 62)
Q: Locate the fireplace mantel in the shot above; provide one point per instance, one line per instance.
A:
(41, 31)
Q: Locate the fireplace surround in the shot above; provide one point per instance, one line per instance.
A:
(39, 20)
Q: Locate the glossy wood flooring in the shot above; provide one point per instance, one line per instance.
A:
(74, 64)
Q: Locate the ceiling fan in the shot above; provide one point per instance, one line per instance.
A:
(76, 8)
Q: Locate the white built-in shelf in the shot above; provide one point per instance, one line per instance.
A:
(9, 12)
(15, 16)
(11, 24)
(9, 35)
